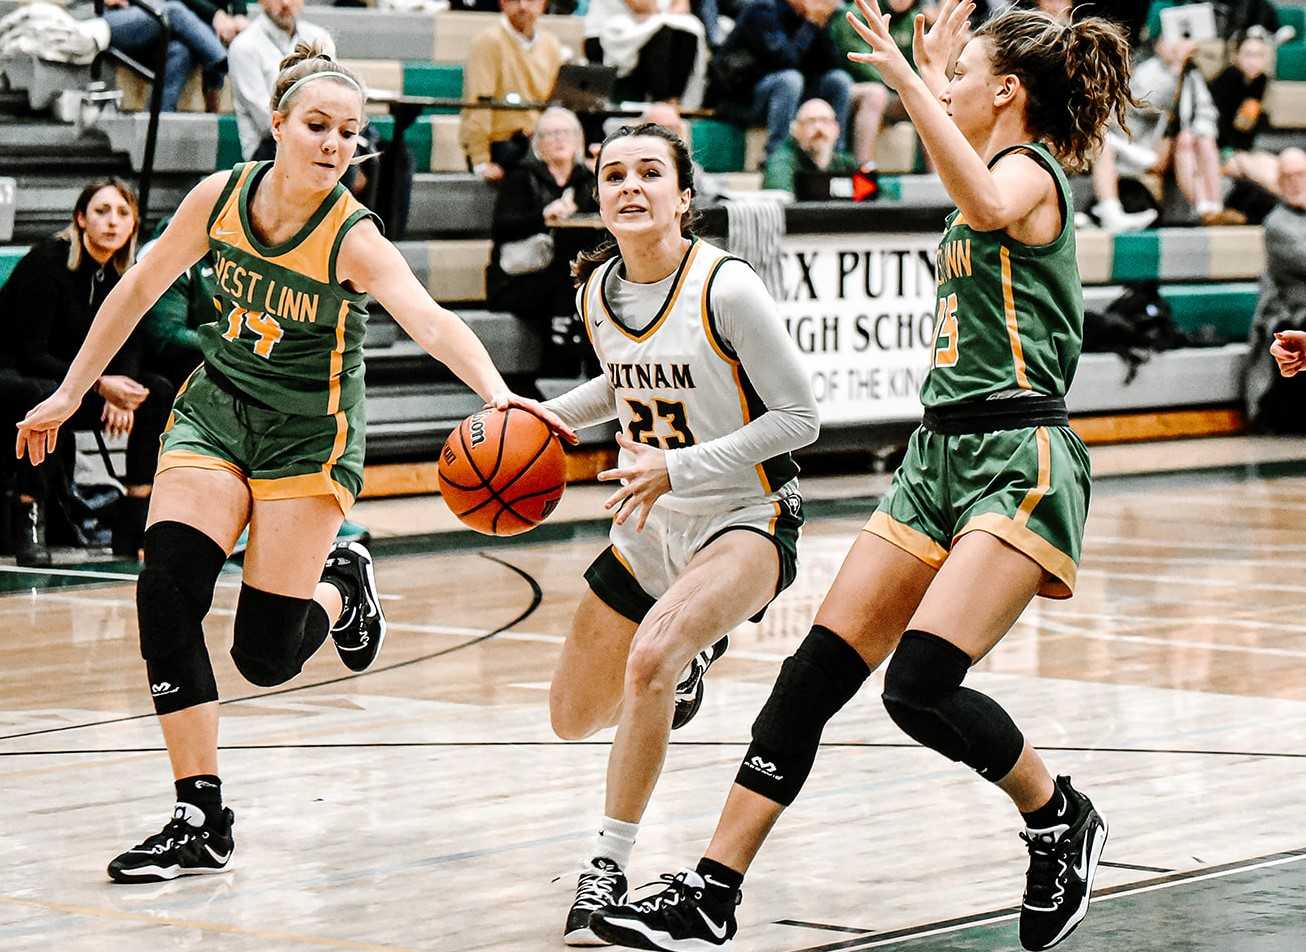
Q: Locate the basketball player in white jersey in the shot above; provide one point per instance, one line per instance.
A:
(711, 397)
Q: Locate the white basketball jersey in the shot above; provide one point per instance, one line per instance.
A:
(677, 383)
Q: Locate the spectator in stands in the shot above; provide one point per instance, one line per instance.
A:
(780, 53)
(229, 18)
(170, 329)
(1280, 322)
(53, 295)
(1239, 95)
(254, 57)
(511, 58)
(1108, 211)
(530, 266)
(872, 101)
(1176, 129)
(658, 47)
(811, 147)
(707, 189)
(1235, 17)
(193, 43)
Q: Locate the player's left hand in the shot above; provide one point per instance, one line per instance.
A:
(873, 28)
(505, 400)
(643, 481)
(1289, 352)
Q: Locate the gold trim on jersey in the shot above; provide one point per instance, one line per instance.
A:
(735, 366)
(616, 554)
(912, 541)
(1044, 481)
(668, 305)
(337, 360)
(1060, 568)
(1013, 329)
(300, 487)
(184, 459)
(311, 258)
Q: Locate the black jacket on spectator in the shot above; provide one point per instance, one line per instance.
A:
(46, 312)
(1233, 96)
(770, 36)
(518, 214)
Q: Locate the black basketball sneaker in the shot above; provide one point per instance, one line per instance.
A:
(187, 846)
(677, 918)
(1062, 864)
(360, 629)
(602, 884)
(689, 692)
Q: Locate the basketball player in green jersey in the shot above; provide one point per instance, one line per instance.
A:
(988, 507)
(267, 433)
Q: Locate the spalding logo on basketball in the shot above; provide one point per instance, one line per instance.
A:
(502, 472)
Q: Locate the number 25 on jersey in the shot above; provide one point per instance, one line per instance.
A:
(945, 332)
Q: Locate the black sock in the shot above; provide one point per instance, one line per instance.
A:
(1059, 810)
(722, 882)
(205, 792)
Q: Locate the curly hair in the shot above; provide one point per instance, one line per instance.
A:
(1076, 77)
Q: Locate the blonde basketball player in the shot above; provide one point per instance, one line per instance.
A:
(269, 433)
(711, 398)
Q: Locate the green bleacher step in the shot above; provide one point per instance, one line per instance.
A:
(1220, 312)
(441, 80)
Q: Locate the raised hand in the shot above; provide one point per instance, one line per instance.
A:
(936, 50)
(884, 55)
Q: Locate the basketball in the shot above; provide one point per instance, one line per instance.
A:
(502, 471)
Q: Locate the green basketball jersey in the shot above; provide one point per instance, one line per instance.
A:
(1009, 316)
(287, 333)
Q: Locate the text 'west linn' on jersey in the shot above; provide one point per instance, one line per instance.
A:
(677, 382)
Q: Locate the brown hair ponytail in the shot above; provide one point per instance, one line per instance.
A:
(1076, 77)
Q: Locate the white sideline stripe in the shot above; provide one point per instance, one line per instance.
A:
(992, 920)
(69, 573)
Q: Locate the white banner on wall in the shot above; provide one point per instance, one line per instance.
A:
(861, 310)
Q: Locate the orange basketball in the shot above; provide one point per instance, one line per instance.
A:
(502, 471)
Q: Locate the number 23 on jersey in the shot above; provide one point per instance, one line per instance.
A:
(643, 423)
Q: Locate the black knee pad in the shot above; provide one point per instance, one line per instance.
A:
(173, 594)
(814, 684)
(275, 635)
(924, 697)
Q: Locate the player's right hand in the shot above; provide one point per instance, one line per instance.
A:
(1289, 351)
(39, 430)
(938, 48)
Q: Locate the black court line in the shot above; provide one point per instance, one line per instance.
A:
(821, 925)
(851, 945)
(1140, 869)
(364, 745)
(537, 596)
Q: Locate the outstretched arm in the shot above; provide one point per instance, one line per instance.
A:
(990, 199)
(368, 262)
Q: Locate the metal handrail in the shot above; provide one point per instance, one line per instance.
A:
(155, 78)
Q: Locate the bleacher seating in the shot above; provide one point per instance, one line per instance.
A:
(1208, 276)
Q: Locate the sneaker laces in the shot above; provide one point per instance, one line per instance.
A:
(1048, 863)
(596, 889)
(175, 834)
(674, 889)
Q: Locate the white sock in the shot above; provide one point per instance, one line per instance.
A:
(616, 840)
(1109, 206)
(1204, 208)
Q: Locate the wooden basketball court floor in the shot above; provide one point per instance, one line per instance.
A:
(426, 804)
